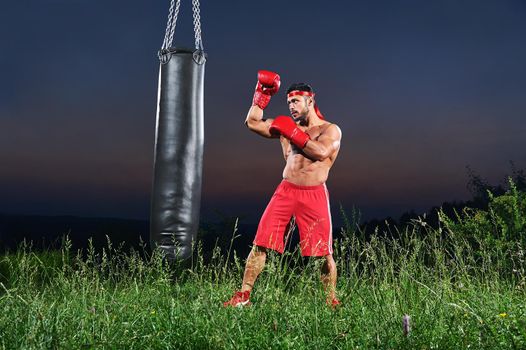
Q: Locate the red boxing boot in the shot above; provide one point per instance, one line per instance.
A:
(239, 299)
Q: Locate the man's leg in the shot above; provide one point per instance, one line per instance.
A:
(313, 216)
(254, 266)
(328, 278)
(269, 234)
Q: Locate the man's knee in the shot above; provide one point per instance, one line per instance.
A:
(328, 262)
(259, 250)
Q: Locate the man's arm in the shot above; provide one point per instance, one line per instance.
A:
(320, 149)
(256, 123)
(267, 85)
(326, 144)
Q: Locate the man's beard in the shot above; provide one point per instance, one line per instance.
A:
(302, 117)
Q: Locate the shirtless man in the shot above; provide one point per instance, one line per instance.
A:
(310, 145)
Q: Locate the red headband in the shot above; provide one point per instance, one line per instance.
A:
(299, 92)
(310, 94)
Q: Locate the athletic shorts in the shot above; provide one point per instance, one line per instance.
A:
(309, 205)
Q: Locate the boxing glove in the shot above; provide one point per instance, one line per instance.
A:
(287, 127)
(267, 85)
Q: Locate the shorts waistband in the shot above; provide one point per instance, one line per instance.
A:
(289, 184)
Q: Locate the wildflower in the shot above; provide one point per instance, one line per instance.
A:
(503, 314)
(152, 312)
(406, 322)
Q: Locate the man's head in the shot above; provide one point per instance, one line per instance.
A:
(300, 99)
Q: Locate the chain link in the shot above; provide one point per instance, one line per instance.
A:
(170, 26)
(197, 25)
(176, 15)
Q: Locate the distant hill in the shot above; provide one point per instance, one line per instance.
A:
(47, 231)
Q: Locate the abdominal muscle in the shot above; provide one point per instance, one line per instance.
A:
(303, 171)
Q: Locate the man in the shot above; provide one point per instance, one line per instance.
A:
(310, 146)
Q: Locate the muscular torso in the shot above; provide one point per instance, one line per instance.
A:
(300, 169)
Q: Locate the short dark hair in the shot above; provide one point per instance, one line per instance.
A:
(300, 87)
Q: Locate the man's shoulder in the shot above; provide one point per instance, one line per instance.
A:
(331, 128)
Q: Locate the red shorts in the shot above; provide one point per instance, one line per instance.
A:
(310, 206)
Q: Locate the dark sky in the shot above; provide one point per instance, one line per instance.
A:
(420, 89)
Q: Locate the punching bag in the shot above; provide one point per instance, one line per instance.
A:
(179, 137)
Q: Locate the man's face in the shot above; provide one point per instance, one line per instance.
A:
(299, 106)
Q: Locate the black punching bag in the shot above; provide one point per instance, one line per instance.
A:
(179, 137)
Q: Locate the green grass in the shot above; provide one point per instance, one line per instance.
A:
(50, 300)
(462, 289)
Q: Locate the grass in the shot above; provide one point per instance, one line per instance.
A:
(460, 291)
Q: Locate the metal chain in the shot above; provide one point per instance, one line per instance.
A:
(197, 25)
(172, 19)
(170, 26)
(176, 15)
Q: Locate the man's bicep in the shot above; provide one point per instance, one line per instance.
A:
(263, 128)
(331, 137)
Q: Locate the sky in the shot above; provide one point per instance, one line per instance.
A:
(420, 90)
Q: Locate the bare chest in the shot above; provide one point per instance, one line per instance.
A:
(314, 134)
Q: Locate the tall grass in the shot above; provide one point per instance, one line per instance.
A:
(463, 285)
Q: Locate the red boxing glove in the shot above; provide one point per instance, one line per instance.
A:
(288, 128)
(267, 85)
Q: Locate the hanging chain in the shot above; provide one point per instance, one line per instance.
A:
(170, 26)
(172, 20)
(197, 25)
